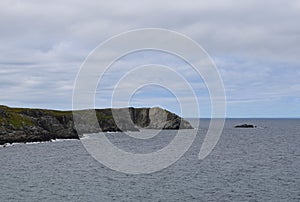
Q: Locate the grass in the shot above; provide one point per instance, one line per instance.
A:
(57, 113)
(101, 116)
(16, 120)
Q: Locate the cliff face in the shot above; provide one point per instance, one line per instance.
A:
(30, 125)
(157, 118)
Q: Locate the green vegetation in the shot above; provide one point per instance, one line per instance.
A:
(18, 120)
(57, 113)
(101, 116)
(15, 119)
(12, 110)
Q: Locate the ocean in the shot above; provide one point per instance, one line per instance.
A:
(261, 164)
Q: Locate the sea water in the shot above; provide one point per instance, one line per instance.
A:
(261, 164)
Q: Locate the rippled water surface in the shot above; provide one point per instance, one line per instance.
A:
(260, 164)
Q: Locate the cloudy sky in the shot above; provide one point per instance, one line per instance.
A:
(255, 45)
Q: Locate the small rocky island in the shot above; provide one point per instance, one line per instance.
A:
(35, 125)
(246, 126)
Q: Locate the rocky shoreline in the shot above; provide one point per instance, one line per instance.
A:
(21, 125)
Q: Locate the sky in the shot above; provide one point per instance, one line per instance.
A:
(254, 44)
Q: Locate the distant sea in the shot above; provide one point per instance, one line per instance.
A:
(261, 164)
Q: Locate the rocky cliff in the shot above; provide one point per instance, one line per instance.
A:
(31, 125)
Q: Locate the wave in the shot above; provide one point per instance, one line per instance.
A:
(29, 143)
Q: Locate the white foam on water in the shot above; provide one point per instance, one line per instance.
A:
(30, 143)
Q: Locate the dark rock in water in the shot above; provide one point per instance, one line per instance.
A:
(245, 126)
(34, 125)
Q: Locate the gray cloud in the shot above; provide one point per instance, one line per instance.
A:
(254, 43)
(68, 30)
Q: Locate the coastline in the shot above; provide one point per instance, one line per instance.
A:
(37, 125)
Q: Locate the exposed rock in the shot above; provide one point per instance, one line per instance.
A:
(245, 126)
(3, 113)
(163, 119)
(28, 125)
